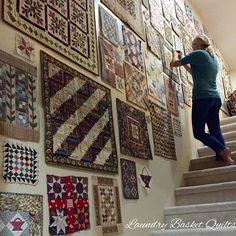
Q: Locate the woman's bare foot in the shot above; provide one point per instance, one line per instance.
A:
(226, 155)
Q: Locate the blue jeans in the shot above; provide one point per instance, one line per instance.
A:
(206, 111)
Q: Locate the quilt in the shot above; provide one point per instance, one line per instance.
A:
(107, 205)
(68, 204)
(78, 119)
(129, 11)
(112, 59)
(163, 137)
(129, 179)
(171, 96)
(133, 131)
(154, 72)
(20, 164)
(136, 85)
(67, 26)
(18, 105)
(23, 212)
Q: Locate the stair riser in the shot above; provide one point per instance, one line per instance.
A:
(210, 178)
(200, 219)
(228, 128)
(206, 151)
(229, 120)
(231, 137)
(226, 195)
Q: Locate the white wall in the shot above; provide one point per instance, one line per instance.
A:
(167, 175)
(233, 79)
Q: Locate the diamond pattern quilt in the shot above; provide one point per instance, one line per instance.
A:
(134, 140)
(68, 204)
(18, 106)
(20, 164)
(67, 26)
(163, 137)
(129, 179)
(107, 205)
(79, 126)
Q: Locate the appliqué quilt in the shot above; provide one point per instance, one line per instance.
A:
(107, 205)
(18, 108)
(25, 48)
(14, 223)
(20, 164)
(129, 179)
(20, 210)
(133, 131)
(67, 26)
(68, 204)
(79, 126)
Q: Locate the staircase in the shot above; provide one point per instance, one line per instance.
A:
(206, 205)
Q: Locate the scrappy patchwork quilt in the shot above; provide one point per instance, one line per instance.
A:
(79, 126)
(156, 86)
(20, 164)
(129, 11)
(18, 106)
(134, 140)
(171, 96)
(163, 137)
(112, 59)
(133, 49)
(109, 26)
(107, 205)
(67, 26)
(136, 85)
(21, 214)
(68, 204)
(129, 179)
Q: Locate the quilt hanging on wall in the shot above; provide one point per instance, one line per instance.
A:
(20, 164)
(18, 112)
(21, 214)
(129, 11)
(136, 85)
(107, 205)
(112, 59)
(156, 86)
(78, 119)
(129, 179)
(163, 137)
(66, 26)
(134, 140)
(68, 204)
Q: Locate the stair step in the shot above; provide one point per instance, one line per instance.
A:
(208, 193)
(210, 176)
(228, 127)
(207, 162)
(230, 136)
(206, 151)
(220, 231)
(228, 120)
(204, 215)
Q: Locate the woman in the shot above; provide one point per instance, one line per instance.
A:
(203, 66)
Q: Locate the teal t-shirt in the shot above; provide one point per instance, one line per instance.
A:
(204, 69)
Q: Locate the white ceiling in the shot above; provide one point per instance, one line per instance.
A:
(219, 17)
